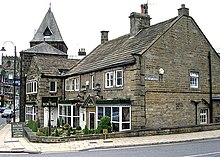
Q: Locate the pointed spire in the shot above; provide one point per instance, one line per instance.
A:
(50, 7)
(48, 23)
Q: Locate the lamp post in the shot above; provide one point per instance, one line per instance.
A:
(14, 91)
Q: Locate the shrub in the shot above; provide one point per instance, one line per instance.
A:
(68, 132)
(56, 133)
(34, 126)
(40, 133)
(86, 130)
(30, 124)
(45, 130)
(38, 123)
(105, 123)
(78, 128)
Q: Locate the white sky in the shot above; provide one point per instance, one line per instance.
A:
(80, 21)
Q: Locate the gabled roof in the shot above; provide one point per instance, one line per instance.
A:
(119, 51)
(50, 26)
(44, 48)
(53, 65)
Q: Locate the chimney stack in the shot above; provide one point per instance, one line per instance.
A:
(139, 21)
(183, 11)
(104, 36)
(82, 52)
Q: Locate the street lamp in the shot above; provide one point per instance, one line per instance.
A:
(14, 92)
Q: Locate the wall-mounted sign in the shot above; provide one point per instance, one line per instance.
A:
(151, 78)
(49, 101)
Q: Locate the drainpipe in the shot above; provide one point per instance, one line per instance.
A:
(210, 87)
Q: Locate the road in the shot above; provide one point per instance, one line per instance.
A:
(203, 148)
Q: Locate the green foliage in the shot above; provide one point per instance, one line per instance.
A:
(30, 124)
(34, 126)
(105, 123)
(93, 131)
(78, 128)
(57, 133)
(38, 123)
(58, 122)
(45, 131)
(86, 130)
(68, 132)
(40, 133)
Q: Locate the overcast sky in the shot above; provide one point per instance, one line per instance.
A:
(81, 21)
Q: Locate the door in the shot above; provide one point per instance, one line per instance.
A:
(91, 120)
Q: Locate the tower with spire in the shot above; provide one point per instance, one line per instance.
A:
(49, 32)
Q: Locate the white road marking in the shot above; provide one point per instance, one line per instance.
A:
(205, 154)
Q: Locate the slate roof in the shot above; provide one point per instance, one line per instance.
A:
(44, 48)
(119, 51)
(53, 65)
(50, 22)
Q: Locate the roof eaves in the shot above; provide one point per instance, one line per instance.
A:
(100, 69)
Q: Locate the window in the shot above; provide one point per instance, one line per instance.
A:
(31, 87)
(69, 114)
(67, 85)
(114, 79)
(77, 84)
(109, 79)
(118, 78)
(120, 116)
(53, 86)
(30, 112)
(92, 82)
(194, 80)
(72, 84)
(203, 116)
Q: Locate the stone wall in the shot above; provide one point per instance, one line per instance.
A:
(143, 132)
(182, 49)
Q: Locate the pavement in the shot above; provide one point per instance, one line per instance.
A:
(22, 145)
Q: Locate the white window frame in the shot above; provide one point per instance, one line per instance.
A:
(120, 122)
(92, 81)
(55, 84)
(77, 84)
(67, 84)
(31, 87)
(71, 116)
(30, 112)
(118, 77)
(203, 116)
(109, 79)
(72, 84)
(194, 80)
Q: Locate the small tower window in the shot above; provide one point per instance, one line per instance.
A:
(47, 32)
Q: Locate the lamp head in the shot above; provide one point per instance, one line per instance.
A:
(3, 49)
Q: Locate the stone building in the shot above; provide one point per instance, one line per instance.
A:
(44, 84)
(7, 77)
(155, 76)
(47, 41)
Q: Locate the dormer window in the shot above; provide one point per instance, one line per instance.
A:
(47, 32)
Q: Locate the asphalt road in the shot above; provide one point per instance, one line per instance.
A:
(203, 148)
